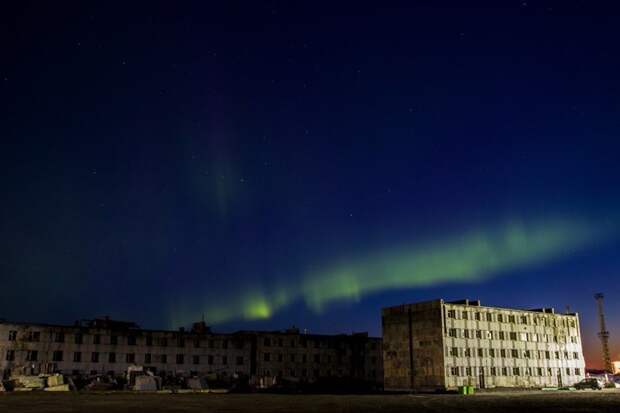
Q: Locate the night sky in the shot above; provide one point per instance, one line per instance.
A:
(270, 164)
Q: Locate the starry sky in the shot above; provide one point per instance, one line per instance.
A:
(274, 163)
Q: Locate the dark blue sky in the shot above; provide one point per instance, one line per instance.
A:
(160, 158)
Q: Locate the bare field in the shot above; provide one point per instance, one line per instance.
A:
(521, 402)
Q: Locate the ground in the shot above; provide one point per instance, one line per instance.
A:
(518, 402)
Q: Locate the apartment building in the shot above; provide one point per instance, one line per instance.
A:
(104, 346)
(442, 345)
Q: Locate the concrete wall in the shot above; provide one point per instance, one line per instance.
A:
(413, 346)
(511, 349)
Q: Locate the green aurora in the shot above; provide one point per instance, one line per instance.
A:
(470, 257)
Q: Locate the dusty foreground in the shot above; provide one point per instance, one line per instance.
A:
(521, 402)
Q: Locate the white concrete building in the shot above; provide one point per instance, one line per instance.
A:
(443, 345)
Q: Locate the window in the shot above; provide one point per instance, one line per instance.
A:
(280, 357)
(77, 357)
(59, 337)
(502, 353)
(468, 371)
(224, 360)
(480, 352)
(373, 360)
(465, 315)
(454, 371)
(493, 371)
(34, 336)
(163, 342)
(454, 351)
(130, 358)
(491, 352)
(304, 358)
(477, 316)
(239, 360)
(225, 344)
(94, 357)
(97, 339)
(267, 342)
(539, 371)
(489, 335)
(504, 371)
(292, 343)
(180, 359)
(478, 333)
(467, 352)
(527, 354)
(452, 332)
(502, 335)
(147, 358)
(195, 359)
(513, 335)
(524, 319)
(451, 313)
(577, 372)
(523, 336)
(57, 355)
(575, 355)
(465, 333)
(78, 338)
(557, 355)
(280, 343)
(12, 335)
(547, 355)
(267, 357)
(113, 340)
(32, 355)
(516, 371)
(197, 343)
(511, 319)
(489, 317)
(149, 341)
(10, 355)
(500, 318)
(292, 358)
(528, 371)
(209, 359)
(131, 340)
(164, 358)
(112, 358)
(180, 342)
(514, 353)
(566, 355)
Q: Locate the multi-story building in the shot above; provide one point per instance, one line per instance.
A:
(104, 346)
(442, 345)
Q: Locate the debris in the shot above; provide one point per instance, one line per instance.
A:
(62, 387)
(147, 383)
(197, 383)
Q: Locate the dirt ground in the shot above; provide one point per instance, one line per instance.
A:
(521, 402)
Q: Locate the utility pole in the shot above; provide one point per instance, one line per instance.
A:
(603, 334)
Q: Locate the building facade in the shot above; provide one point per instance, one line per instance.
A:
(443, 345)
(104, 346)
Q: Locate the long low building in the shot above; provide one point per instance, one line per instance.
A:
(438, 345)
(104, 346)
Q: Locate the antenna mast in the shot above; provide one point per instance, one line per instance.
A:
(603, 334)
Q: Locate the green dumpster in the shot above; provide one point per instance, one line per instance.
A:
(470, 389)
(462, 389)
